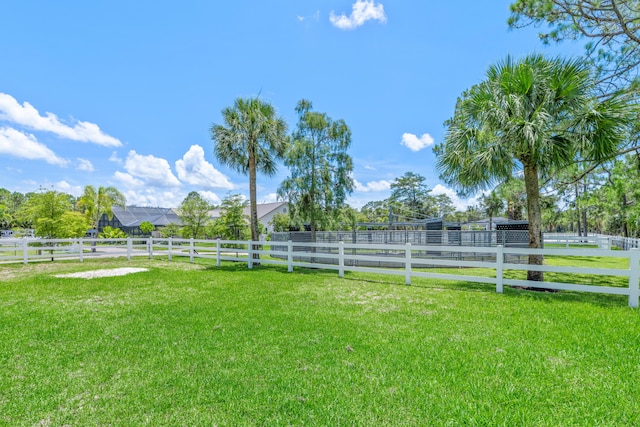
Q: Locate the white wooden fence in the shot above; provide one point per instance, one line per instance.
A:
(410, 260)
(600, 240)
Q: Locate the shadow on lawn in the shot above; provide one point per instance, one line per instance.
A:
(596, 299)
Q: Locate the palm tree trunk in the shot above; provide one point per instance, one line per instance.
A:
(532, 187)
(252, 202)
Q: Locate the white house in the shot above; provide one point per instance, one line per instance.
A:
(266, 211)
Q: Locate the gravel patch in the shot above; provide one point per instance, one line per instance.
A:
(102, 273)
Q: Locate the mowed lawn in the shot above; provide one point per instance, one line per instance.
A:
(192, 344)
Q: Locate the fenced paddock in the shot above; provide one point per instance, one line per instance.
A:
(499, 266)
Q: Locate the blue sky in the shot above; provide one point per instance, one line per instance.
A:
(124, 93)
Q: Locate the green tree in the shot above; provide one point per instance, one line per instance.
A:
(281, 222)
(112, 233)
(492, 205)
(14, 204)
(45, 210)
(146, 227)
(232, 224)
(73, 224)
(376, 211)
(537, 114)
(611, 29)
(194, 214)
(443, 206)
(473, 213)
(412, 193)
(512, 191)
(94, 203)
(320, 168)
(170, 230)
(251, 140)
(6, 219)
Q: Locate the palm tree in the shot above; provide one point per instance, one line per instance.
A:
(536, 115)
(491, 204)
(95, 203)
(250, 141)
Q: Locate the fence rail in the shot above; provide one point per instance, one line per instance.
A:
(406, 260)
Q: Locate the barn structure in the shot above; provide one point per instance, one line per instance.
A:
(128, 219)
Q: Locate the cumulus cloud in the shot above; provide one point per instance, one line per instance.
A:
(370, 186)
(65, 187)
(154, 197)
(26, 146)
(150, 169)
(211, 197)
(84, 165)
(361, 12)
(28, 116)
(127, 180)
(460, 204)
(194, 169)
(114, 158)
(314, 17)
(413, 143)
(269, 198)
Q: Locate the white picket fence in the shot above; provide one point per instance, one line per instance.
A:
(409, 260)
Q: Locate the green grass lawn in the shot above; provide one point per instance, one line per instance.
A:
(192, 344)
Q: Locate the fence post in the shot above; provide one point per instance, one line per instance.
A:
(289, 256)
(407, 264)
(341, 258)
(129, 247)
(250, 254)
(81, 249)
(499, 263)
(634, 277)
(150, 245)
(25, 250)
(170, 246)
(218, 252)
(191, 250)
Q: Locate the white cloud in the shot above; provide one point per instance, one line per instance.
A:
(152, 170)
(361, 12)
(211, 197)
(127, 180)
(314, 17)
(26, 146)
(413, 143)
(65, 187)
(460, 204)
(84, 165)
(269, 198)
(370, 186)
(154, 197)
(26, 115)
(194, 169)
(114, 158)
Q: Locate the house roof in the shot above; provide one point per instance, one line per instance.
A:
(133, 216)
(264, 209)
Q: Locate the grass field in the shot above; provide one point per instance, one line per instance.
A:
(191, 344)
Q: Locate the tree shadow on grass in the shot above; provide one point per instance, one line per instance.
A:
(596, 299)
(593, 298)
(242, 268)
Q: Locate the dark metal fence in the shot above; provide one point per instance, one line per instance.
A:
(506, 238)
